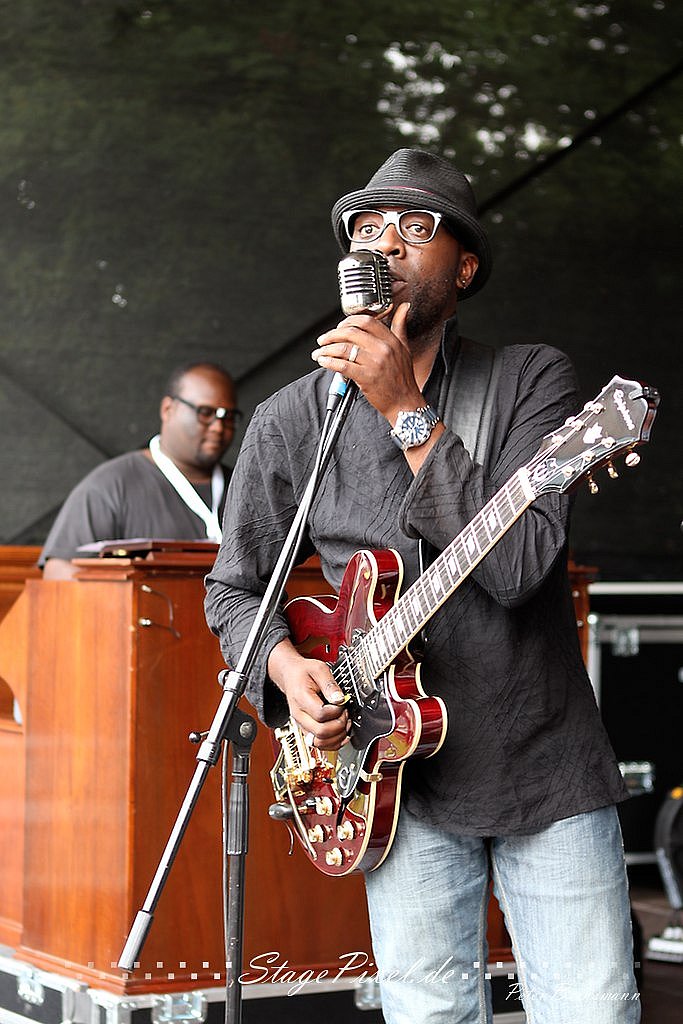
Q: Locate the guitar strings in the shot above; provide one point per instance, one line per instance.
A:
(344, 668)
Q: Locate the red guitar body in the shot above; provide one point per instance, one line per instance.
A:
(353, 832)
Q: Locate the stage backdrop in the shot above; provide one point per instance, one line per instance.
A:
(167, 170)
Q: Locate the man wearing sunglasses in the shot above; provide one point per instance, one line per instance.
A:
(173, 489)
(523, 788)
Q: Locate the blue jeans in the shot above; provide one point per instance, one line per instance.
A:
(564, 895)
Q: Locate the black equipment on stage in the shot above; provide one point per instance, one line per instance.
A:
(669, 850)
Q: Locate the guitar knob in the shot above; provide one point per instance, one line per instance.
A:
(316, 834)
(592, 486)
(334, 858)
(632, 459)
(612, 471)
(345, 831)
(323, 805)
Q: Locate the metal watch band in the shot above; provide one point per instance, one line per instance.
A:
(400, 434)
(431, 415)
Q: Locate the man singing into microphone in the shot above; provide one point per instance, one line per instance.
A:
(524, 787)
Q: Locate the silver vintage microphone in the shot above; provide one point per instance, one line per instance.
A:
(364, 287)
(364, 283)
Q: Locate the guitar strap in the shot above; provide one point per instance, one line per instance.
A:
(466, 401)
(468, 393)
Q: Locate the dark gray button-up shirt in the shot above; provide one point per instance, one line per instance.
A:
(525, 745)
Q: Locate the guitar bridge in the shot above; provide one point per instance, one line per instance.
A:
(295, 765)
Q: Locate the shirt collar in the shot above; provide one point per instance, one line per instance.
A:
(445, 359)
(450, 342)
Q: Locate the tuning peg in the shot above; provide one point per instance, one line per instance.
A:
(611, 471)
(632, 459)
(592, 486)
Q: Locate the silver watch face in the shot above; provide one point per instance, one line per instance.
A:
(413, 429)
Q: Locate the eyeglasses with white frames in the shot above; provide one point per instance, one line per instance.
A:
(414, 226)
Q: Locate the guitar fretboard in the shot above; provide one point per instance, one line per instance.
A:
(413, 610)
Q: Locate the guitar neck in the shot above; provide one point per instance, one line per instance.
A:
(445, 574)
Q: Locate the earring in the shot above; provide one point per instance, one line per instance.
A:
(463, 282)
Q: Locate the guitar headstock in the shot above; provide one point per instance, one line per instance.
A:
(617, 420)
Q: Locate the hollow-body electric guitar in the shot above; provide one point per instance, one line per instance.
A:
(343, 805)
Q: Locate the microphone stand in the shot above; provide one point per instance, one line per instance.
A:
(230, 724)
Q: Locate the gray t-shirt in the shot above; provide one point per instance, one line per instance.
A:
(124, 498)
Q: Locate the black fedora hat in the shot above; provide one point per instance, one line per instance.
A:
(414, 177)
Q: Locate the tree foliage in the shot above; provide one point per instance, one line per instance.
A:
(168, 166)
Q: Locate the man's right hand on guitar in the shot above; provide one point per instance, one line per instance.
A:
(314, 699)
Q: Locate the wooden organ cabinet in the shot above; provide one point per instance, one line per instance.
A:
(101, 680)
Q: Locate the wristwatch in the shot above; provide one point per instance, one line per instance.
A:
(414, 428)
